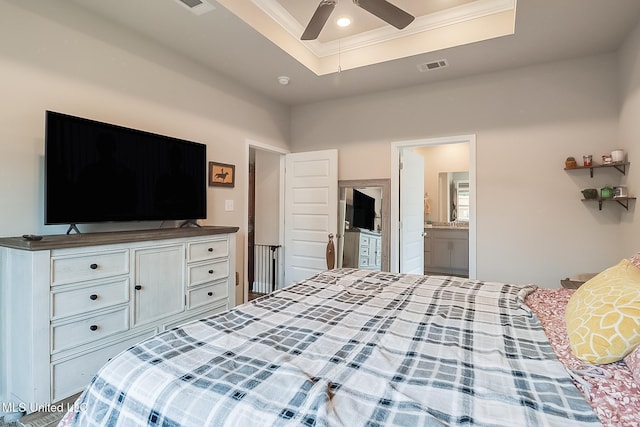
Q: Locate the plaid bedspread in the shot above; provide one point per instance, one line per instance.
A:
(347, 348)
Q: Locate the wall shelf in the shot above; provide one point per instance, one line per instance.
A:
(622, 201)
(619, 166)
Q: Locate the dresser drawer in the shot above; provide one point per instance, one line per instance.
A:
(207, 294)
(207, 272)
(72, 375)
(86, 299)
(72, 334)
(88, 266)
(209, 249)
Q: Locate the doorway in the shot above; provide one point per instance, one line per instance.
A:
(396, 215)
(264, 222)
(303, 195)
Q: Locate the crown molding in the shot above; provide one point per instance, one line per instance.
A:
(421, 24)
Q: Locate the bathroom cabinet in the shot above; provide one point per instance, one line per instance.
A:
(447, 251)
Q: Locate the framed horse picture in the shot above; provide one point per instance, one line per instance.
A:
(222, 175)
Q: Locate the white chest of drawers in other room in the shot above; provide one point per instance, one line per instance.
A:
(70, 308)
(362, 249)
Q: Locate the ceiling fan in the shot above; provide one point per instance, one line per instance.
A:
(384, 10)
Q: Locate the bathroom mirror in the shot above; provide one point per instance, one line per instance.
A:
(363, 224)
(443, 165)
(453, 197)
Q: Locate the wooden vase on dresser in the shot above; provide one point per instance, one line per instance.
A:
(71, 302)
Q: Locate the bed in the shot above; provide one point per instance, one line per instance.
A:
(360, 348)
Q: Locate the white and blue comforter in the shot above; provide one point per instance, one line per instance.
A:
(347, 348)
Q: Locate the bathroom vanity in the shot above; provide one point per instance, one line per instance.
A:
(446, 250)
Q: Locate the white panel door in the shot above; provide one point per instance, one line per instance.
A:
(411, 212)
(311, 211)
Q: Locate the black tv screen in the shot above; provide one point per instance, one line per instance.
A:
(100, 172)
(364, 210)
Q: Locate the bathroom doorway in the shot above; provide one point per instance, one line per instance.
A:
(396, 186)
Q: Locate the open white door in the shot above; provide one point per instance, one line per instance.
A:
(311, 210)
(342, 214)
(411, 212)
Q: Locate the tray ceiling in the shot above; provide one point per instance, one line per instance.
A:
(438, 25)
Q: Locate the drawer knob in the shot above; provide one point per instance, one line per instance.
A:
(210, 294)
(93, 266)
(93, 327)
(210, 249)
(93, 297)
(138, 287)
(210, 271)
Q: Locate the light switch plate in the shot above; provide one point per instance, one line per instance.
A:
(228, 205)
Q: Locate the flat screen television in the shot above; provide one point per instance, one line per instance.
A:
(364, 210)
(99, 172)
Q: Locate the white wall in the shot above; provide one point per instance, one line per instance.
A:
(531, 224)
(267, 198)
(56, 58)
(630, 134)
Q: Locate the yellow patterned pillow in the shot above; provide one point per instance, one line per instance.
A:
(603, 315)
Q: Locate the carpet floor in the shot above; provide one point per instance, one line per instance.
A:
(41, 418)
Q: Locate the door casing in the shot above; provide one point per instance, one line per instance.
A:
(396, 148)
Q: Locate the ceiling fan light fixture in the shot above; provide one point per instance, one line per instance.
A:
(386, 11)
(343, 21)
(319, 18)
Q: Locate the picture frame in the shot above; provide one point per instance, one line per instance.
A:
(222, 175)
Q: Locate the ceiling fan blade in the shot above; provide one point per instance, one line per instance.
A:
(389, 13)
(319, 18)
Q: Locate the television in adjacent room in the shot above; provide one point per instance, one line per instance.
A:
(364, 210)
(100, 172)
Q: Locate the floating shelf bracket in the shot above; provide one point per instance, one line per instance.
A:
(622, 201)
(620, 167)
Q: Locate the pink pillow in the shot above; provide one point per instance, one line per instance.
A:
(633, 362)
(635, 260)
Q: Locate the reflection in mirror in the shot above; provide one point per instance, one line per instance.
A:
(444, 164)
(453, 194)
(363, 224)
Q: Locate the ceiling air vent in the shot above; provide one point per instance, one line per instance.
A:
(434, 65)
(196, 6)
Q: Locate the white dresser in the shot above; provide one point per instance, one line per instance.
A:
(72, 302)
(362, 249)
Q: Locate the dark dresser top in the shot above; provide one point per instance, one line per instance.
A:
(61, 241)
